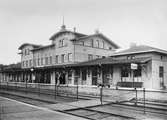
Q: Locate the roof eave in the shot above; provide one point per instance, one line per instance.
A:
(139, 52)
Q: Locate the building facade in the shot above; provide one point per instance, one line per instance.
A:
(46, 64)
(74, 58)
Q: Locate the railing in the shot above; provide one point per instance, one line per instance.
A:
(40, 88)
(115, 94)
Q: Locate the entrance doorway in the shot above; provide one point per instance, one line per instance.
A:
(62, 78)
(94, 76)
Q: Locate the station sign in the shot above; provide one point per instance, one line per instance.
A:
(133, 66)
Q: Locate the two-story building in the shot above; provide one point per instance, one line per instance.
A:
(48, 64)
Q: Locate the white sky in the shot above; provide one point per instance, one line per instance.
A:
(123, 21)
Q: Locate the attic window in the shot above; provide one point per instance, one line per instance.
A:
(61, 43)
(97, 43)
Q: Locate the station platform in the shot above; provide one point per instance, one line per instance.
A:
(14, 110)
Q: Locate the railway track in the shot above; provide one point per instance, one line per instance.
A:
(96, 115)
(150, 107)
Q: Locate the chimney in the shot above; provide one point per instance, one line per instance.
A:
(132, 44)
(97, 31)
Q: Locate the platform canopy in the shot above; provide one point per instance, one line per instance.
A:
(113, 61)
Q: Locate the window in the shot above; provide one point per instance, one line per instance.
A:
(61, 43)
(69, 57)
(83, 76)
(70, 77)
(41, 61)
(25, 52)
(56, 59)
(161, 71)
(124, 72)
(91, 42)
(27, 63)
(50, 59)
(103, 44)
(90, 56)
(28, 51)
(97, 56)
(76, 76)
(161, 57)
(137, 73)
(62, 58)
(97, 43)
(34, 62)
(23, 64)
(46, 60)
(38, 63)
(30, 63)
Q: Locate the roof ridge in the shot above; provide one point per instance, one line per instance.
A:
(74, 32)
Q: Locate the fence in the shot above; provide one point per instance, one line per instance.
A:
(102, 93)
(40, 88)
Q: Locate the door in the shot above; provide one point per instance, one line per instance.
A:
(94, 76)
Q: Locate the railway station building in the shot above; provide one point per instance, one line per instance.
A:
(74, 58)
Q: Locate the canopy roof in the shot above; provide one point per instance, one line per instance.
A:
(113, 61)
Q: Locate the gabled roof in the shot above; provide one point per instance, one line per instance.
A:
(100, 35)
(26, 44)
(43, 47)
(139, 49)
(66, 31)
